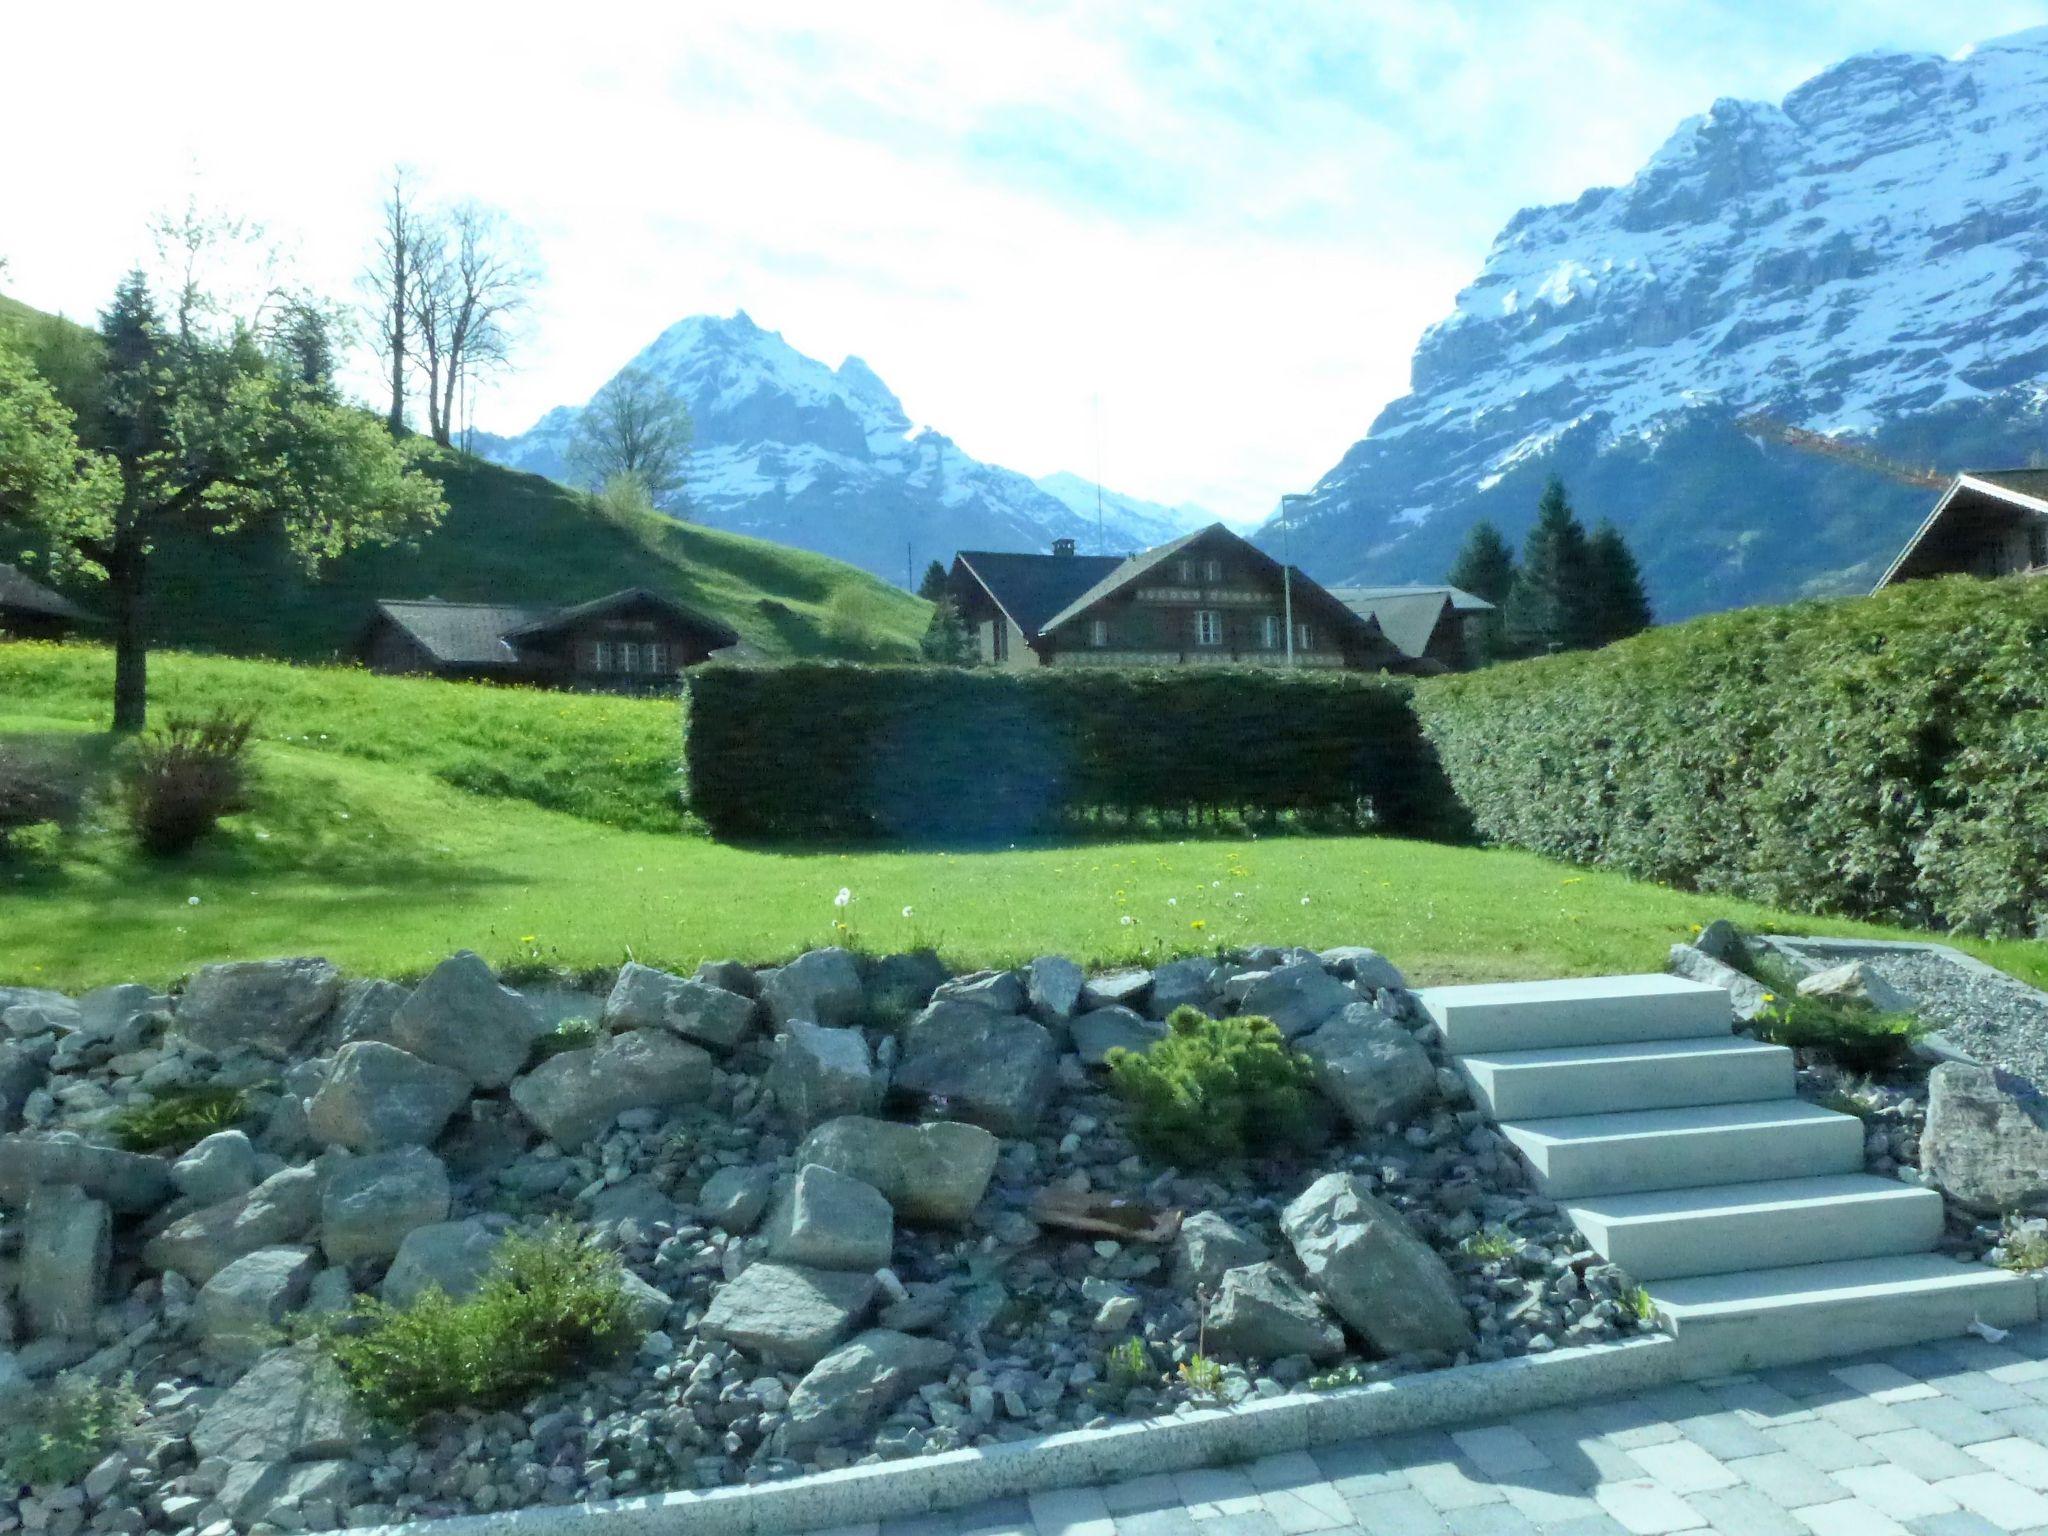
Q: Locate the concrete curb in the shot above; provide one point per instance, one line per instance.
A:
(1080, 1458)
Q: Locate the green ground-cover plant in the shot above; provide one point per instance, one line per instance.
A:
(2024, 1249)
(51, 1438)
(569, 1035)
(1215, 1089)
(1852, 1035)
(1490, 1243)
(550, 1307)
(179, 1118)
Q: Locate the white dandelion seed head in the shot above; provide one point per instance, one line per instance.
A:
(843, 897)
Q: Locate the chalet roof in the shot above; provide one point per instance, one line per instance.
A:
(1032, 588)
(2029, 484)
(460, 634)
(552, 621)
(1975, 498)
(21, 595)
(1463, 601)
(1408, 618)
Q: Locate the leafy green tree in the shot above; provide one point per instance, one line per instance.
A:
(1550, 606)
(636, 425)
(1485, 567)
(1620, 605)
(933, 586)
(946, 640)
(203, 434)
(46, 479)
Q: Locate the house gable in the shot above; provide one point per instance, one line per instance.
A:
(1987, 523)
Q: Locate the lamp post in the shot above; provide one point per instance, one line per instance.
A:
(1287, 567)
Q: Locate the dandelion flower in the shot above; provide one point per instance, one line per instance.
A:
(1198, 923)
(1127, 919)
(1173, 901)
(843, 897)
(906, 911)
(1304, 901)
(191, 901)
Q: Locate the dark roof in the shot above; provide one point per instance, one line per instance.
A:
(1463, 601)
(1032, 588)
(22, 595)
(460, 634)
(552, 620)
(1975, 500)
(1408, 616)
(1126, 571)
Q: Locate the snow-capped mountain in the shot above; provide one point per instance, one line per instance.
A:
(1145, 522)
(1866, 262)
(824, 458)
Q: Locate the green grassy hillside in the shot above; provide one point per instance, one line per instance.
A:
(511, 538)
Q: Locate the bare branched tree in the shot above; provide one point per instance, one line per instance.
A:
(474, 278)
(390, 281)
(634, 427)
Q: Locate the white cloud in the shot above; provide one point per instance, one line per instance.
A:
(1227, 228)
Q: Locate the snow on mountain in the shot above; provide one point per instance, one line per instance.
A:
(1145, 522)
(825, 458)
(1866, 260)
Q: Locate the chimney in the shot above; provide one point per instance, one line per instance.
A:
(1063, 547)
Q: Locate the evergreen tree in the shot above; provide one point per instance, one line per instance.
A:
(1485, 567)
(1550, 607)
(305, 345)
(1620, 606)
(946, 641)
(933, 586)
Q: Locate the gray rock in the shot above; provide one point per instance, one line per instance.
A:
(827, 1220)
(218, 1168)
(731, 976)
(279, 1211)
(901, 984)
(858, 1382)
(239, 1314)
(734, 1198)
(1370, 1067)
(1116, 989)
(365, 1011)
(573, 1097)
(637, 1200)
(989, 1069)
(1368, 967)
(1180, 984)
(451, 1256)
(935, 1172)
(282, 1495)
(1721, 940)
(1854, 981)
(819, 1073)
(1986, 1141)
(1103, 1030)
(377, 1097)
(1263, 1313)
(1382, 1279)
(26, 1021)
(822, 987)
(997, 991)
(121, 1012)
(35, 997)
(1052, 988)
(460, 1017)
(66, 1245)
(648, 1305)
(372, 1203)
(1207, 1247)
(644, 998)
(291, 1406)
(787, 1316)
(1746, 992)
(1298, 997)
(128, 1181)
(260, 1005)
(24, 1067)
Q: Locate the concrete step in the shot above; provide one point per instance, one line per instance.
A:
(1585, 1010)
(1683, 1148)
(1725, 1228)
(1648, 1074)
(1769, 1317)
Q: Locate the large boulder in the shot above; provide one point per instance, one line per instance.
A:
(734, 1198)
(936, 1172)
(644, 998)
(991, 1069)
(291, 1406)
(218, 1167)
(1207, 1247)
(1745, 992)
(460, 1017)
(1986, 1141)
(858, 1382)
(365, 1012)
(67, 1242)
(240, 1313)
(1052, 988)
(1102, 1030)
(1116, 989)
(827, 1220)
(997, 991)
(371, 1204)
(128, 1181)
(1367, 967)
(1375, 1273)
(1297, 998)
(377, 1097)
(819, 1073)
(1263, 1313)
(1370, 1067)
(573, 1097)
(1856, 981)
(898, 985)
(1180, 984)
(24, 1067)
(279, 1211)
(450, 1256)
(822, 986)
(787, 1316)
(260, 1005)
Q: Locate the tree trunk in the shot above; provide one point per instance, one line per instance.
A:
(126, 572)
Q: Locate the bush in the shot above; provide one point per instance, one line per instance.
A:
(818, 750)
(549, 1308)
(179, 1119)
(1882, 757)
(855, 617)
(54, 1437)
(184, 777)
(1218, 1088)
(1858, 1040)
(43, 782)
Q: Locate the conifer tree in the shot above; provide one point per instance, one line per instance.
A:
(1485, 567)
(1550, 607)
(1620, 606)
(933, 585)
(946, 641)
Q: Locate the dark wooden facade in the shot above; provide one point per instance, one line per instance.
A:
(1987, 523)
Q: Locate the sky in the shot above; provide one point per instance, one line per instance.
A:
(1186, 246)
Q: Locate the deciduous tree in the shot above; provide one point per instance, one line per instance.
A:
(473, 277)
(636, 425)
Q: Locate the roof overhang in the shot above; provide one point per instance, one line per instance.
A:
(2019, 501)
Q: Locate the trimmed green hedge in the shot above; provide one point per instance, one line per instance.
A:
(1884, 757)
(819, 750)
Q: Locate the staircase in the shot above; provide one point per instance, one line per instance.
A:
(1683, 1154)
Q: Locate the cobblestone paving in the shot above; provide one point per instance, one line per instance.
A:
(1947, 1439)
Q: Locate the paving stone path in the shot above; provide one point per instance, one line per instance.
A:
(1947, 1439)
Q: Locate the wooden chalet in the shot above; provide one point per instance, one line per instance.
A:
(31, 611)
(1989, 522)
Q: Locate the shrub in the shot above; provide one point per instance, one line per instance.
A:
(184, 777)
(177, 1120)
(549, 1307)
(1216, 1089)
(855, 617)
(54, 1437)
(1862, 1041)
(1126, 1368)
(2023, 1246)
(42, 783)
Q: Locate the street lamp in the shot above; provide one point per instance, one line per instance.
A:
(1287, 567)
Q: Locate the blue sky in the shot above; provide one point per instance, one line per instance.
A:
(1191, 242)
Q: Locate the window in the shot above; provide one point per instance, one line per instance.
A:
(1213, 572)
(629, 656)
(1186, 570)
(657, 657)
(602, 656)
(1302, 637)
(1272, 631)
(2037, 542)
(1098, 633)
(1208, 627)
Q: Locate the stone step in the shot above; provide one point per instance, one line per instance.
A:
(1723, 1228)
(1585, 1010)
(1642, 1149)
(1767, 1317)
(1649, 1074)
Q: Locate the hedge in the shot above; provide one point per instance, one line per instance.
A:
(1882, 757)
(823, 750)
